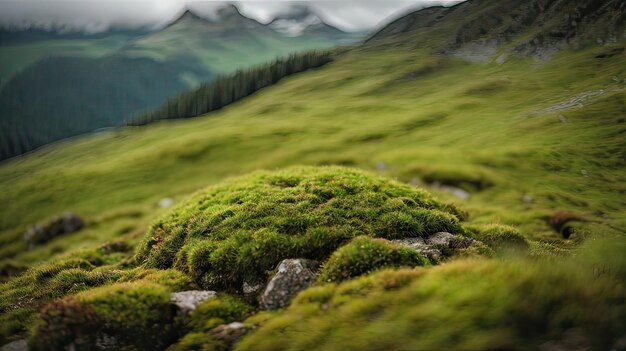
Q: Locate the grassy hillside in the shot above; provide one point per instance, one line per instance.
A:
(85, 84)
(459, 124)
(533, 141)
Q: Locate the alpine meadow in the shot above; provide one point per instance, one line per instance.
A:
(453, 178)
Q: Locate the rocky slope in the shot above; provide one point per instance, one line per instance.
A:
(538, 28)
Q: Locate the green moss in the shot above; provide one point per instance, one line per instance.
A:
(222, 309)
(22, 296)
(463, 305)
(172, 279)
(364, 255)
(240, 230)
(138, 315)
(211, 313)
(198, 342)
(500, 237)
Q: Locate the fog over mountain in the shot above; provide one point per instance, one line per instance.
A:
(99, 15)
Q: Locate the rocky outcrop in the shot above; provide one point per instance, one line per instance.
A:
(187, 301)
(292, 276)
(43, 232)
(477, 30)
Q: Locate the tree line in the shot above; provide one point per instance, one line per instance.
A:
(228, 89)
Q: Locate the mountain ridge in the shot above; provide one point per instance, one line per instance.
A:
(534, 28)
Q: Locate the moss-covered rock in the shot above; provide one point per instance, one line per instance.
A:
(239, 230)
(462, 305)
(24, 295)
(364, 255)
(131, 315)
(212, 313)
(222, 309)
(43, 232)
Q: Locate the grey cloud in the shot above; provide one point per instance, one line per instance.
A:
(97, 15)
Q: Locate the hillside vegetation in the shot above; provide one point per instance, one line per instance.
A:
(81, 84)
(519, 156)
(229, 89)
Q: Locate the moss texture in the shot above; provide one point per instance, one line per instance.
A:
(500, 237)
(23, 296)
(241, 229)
(364, 255)
(220, 310)
(464, 305)
(134, 315)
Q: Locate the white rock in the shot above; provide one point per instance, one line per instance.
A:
(188, 301)
(166, 202)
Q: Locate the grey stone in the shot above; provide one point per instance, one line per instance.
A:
(431, 246)
(166, 202)
(441, 238)
(292, 276)
(528, 199)
(502, 59)
(187, 301)
(43, 232)
(17, 345)
(458, 192)
(576, 101)
(420, 245)
(230, 333)
(107, 342)
(251, 291)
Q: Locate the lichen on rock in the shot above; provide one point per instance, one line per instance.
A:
(292, 276)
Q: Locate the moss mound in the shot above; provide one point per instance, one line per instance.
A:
(24, 295)
(364, 255)
(136, 315)
(500, 237)
(464, 305)
(241, 229)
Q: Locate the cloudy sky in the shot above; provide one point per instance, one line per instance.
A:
(97, 15)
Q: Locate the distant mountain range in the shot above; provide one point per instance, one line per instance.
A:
(56, 84)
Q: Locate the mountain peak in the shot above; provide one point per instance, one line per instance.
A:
(296, 20)
(228, 11)
(187, 15)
